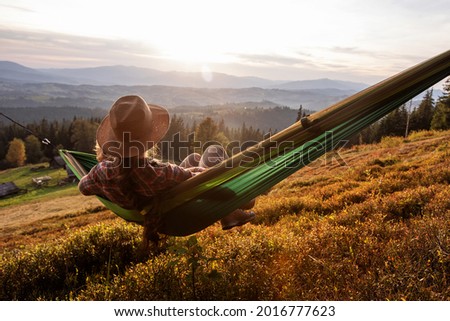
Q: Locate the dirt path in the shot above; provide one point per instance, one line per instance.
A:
(40, 221)
(27, 214)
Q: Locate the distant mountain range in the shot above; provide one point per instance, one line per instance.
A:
(98, 87)
(135, 76)
(21, 86)
(61, 95)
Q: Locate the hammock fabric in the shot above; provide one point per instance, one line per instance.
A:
(204, 199)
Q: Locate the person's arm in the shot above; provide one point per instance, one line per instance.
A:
(196, 170)
(88, 185)
(169, 175)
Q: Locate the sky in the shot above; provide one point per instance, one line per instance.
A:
(355, 40)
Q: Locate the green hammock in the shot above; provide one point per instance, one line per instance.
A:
(204, 199)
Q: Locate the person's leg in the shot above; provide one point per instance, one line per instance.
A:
(214, 155)
(191, 160)
(238, 217)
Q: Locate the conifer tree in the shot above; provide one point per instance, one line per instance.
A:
(206, 131)
(176, 133)
(300, 114)
(83, 135)
(441, 117)
(176, 127)
(422, 116)
(394, 124)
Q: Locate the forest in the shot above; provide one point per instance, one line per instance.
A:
(194, 131)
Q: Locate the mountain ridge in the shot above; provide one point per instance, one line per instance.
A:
(58, 95)
(134, 76)
(98, 87)
(322, 83)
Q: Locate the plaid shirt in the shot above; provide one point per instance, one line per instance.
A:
(147, 181)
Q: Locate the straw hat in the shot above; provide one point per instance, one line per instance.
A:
(132, 127)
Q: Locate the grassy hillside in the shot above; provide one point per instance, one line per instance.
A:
(22, 177)
(375, 229)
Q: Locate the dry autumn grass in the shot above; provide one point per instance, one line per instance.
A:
(375, 229)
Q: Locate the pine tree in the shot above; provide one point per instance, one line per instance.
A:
(441, 118)
(83, 135)
(206, 131)
(394, 124)
(63, 135)
(422, 116)
(300, 114)
(173, 146)
(176, 127)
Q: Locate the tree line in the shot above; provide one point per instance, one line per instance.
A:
(430, 114)
(39, 141)
(19, 146)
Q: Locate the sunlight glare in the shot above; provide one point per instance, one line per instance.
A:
(207, 74)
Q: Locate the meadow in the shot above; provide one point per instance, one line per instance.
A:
(374, 228)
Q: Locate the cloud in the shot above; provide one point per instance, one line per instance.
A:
(348, 50)
(22, 9)
(351, 60)
(47, 49)
(271, 60)
(375, 54)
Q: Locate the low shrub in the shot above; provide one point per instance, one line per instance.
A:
(391, 141)
(53, 271)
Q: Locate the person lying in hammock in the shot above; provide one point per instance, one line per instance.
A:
(127, 176)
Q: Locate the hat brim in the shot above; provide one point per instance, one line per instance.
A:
(110, 145)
